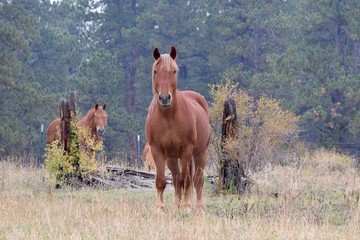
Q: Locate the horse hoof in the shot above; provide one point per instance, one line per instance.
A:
(160, 209)
(187, 210)
(200, 211)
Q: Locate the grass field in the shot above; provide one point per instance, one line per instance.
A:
(317, 199)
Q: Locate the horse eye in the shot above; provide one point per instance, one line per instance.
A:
(154, 71)
(174, 71)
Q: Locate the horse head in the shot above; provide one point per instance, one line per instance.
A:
(164, 76)
(100, 118)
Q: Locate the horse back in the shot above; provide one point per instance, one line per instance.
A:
(198, 99)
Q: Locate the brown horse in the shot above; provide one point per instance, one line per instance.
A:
(148, 158)
(95, 119)
(177, 127)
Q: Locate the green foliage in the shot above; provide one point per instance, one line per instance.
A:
(80, 161)
(304, 53)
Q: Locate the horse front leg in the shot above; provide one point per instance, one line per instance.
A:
(186, 178)
(173, 165)
(160, 181)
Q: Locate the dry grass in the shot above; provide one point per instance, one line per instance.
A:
(318, 200)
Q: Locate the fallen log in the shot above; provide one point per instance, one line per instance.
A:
(126, 178)
(129, 178)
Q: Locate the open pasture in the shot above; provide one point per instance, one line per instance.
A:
(317, 199)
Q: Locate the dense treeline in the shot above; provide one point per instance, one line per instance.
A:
(304, 53)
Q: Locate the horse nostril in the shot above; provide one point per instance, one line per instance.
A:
(165, 100)
(101, 130)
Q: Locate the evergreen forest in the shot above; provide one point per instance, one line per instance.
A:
(304, 53)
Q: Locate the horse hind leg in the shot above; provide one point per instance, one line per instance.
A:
(186, 183)
(192, 172)
(200, 161)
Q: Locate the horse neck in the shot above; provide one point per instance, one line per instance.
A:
(87, 121)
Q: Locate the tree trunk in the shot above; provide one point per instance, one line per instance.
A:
(337, 30)
(356, 53)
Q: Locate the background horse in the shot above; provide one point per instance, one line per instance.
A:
(177, 127)
(148, 158)
(149, 162)
(95, 120)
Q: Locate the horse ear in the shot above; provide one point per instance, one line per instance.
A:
(156, 54)
(173, 53)
(104, 106)
(96, 106)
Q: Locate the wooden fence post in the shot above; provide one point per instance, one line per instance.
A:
(69, 139)
(73, 103)
(65, 124)
(68, 111)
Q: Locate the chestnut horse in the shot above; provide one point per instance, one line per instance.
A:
(148, 158)
(95, 119)
(177, 128)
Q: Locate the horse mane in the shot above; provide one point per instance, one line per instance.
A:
(89, 115)
(90, 112)
(93, 110)
(167, 62)
(86, 118)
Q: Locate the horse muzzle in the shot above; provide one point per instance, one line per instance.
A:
(165, 100)
(100, 131)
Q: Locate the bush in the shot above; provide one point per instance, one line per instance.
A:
(79, 162)
(266, 133)
(58, 163)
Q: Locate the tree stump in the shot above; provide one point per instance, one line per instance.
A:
(231, 170)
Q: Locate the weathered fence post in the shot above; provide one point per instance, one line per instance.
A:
(69, 138)
(73, 103)
(68, 111)
(65, 117)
